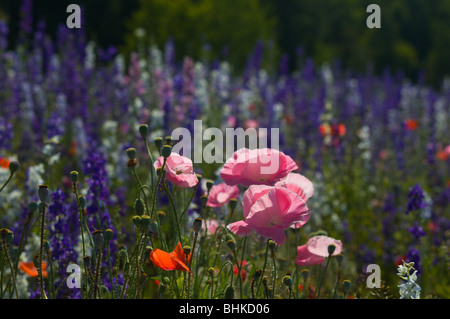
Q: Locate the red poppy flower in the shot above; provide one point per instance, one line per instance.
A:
(175, 260)
(4, 162)
(411, 124)
(30, 270)
(244, 273)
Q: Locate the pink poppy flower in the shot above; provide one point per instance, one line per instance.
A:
(179, 170)
(257, 167)
(269, 210)
(211, 226)
(221, 194)
(300, 185)
(315, 250)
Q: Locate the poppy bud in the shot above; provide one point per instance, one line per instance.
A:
(36, 259)
(339, 258)
(211, 271)
(139, 206)
(166, 151)
(232, 204)
(46, 246)
(14, 167)
(305, 274)
(6, 235)
(272, 245)
(346, 285)
(109, 234)
(98, 239)
(258, 273)
(158, 142)
(287, 280)
(33, 206)
(197, 225)
(74, 176)
(331, 249)
(199, 178)
(209, 184)
(147, 252)
(168, 140)
(43, 193)
(143, 130)
(132, 162)
(131, 152)
(161, 216)
(137, 221)
(231, 244)
(229, 292)
(82, 201)
(187, 250)
(145, 223)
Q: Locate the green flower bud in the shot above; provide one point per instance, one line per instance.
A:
(137, 221)
(36, 259)
(98, 239)
(14, 167)
(272, 245)
(145, 223)
(6, 236)
(143, 130)
(46, 246)
(187, 250)
(168, 140)
(231, 244)
(74, 176)
(232, 204)
(340, 258)
(132, 162)
(131, 152)
(87, 261)
(209, 184)
(199, 178)
(211, 271)
(346, 285)
(82, 201)
(33, 206)
(258, 273)
(229, 292)
(109, 234)
(158, 142)
(139, 207)
(287, 280)
(147, 252)
(305, 274)
(204, 200)
(161, 216)
(166, 151)
(197, 225)
(43, 193)
(331, 249)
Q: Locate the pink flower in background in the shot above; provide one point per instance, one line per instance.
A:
(269, 210)
(179, 170)
(300, 185)
(315, 250)
(221, 194)
(257, 167)
(211, 225)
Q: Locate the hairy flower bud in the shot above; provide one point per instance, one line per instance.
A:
(98, 239)
(143, 130)
(43, 193)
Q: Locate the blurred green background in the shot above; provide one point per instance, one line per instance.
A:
(414, 37)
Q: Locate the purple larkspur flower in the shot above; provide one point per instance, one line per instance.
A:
(415, 199)
(417, 230)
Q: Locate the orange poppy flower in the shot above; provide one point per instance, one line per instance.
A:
(442, 155)
(31, 271)
(4, 162)
(411, 124)
(175, 260)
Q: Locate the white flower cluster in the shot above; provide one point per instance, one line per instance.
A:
(410, 289)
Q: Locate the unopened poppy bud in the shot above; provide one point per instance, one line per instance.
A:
(232, 204)
(264, 280)
(340, 258)
(131, 152)
(209, 184)
(143, 130)
(199, 178)
(139, 207)
(166, 280)
(74, 176)
(14, 167)
(43, 193)
(187, 250)
(87, 261)
(346, 285)
(82, 201)
(231, 244)
(258, 273)
(161, 216)
(318, 233)
(6, 235)
(145, 223)
(98, 239)
(33, 206)
(331, 249)
(166, 151)
(137, 221)
(229, 292)
(168, 140)
(158, 142)
(211, 271)
(287, 280)
(197, 225)
(305, 274)
(204, 200)
(109, 234)
(272, 245)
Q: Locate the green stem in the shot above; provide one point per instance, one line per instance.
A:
(80, 210)
(319, 285)
(264, 268)
(274, 274)
(7, 181)
(41, 251)
(5, 248)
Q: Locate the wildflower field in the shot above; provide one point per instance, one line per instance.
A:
(96, 201)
